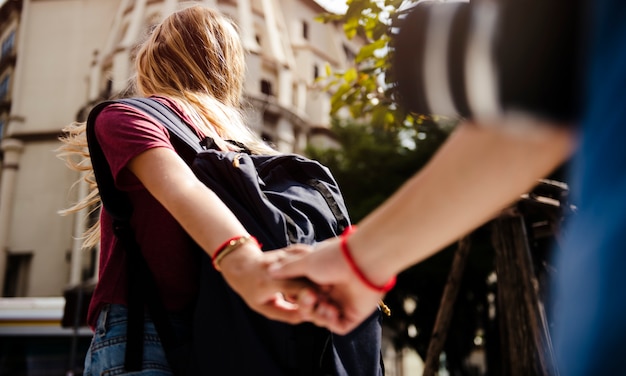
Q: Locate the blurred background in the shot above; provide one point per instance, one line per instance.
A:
(317, 84)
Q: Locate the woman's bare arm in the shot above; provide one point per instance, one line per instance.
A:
(209, 222)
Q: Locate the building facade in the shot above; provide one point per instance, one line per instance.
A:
(60, 57)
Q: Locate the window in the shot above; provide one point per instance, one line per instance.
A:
(7, 44)
(305, 30)
(42, 354)
(316, 72)
(2, 124)
(16, 277)
(266, 87)
(90, 269)
(4, 87)
(350, 55)
(267, 138)
(108, 89)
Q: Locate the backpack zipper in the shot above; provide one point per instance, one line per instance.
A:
(236, 160)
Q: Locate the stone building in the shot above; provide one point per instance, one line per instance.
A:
(60, 57)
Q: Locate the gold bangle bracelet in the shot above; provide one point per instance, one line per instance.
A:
(228, 248)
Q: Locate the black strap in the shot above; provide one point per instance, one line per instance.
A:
(142, 290)
(115, 202)
(342, 220)
(134, 271)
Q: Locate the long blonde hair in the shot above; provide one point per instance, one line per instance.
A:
(195, 57)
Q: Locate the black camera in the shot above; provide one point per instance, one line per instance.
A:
(490, 59)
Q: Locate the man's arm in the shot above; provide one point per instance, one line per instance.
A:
(477, 172)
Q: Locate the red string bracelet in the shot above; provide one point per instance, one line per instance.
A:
(345, 250)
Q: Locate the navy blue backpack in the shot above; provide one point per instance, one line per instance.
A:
(281, 200)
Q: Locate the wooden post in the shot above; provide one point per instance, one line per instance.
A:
(526, 343)
(526, 346)
(446, 309)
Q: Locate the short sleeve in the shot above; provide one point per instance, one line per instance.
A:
(123, 133)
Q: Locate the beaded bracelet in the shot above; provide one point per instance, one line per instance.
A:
(228, 246)
(345, 250)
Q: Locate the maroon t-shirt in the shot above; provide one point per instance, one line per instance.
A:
(123, 133)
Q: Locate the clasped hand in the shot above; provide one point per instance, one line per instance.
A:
(302, 284)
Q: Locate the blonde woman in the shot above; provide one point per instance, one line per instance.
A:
(192, 62)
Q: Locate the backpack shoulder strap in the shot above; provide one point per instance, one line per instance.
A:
(114, 201)
(170, 120)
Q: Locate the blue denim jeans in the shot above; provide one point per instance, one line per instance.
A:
(107, 350)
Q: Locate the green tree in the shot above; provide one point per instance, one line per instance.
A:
(365, 88)
(372, 162)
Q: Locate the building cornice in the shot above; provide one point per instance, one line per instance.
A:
(37, 136)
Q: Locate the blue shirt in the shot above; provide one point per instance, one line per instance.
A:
(590, 303)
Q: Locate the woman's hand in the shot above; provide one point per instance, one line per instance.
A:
(246, 271)
(341, 301)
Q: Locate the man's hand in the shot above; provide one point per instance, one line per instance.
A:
(246, 271)
(341, 301)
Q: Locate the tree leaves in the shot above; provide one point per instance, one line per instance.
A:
(363, 89)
